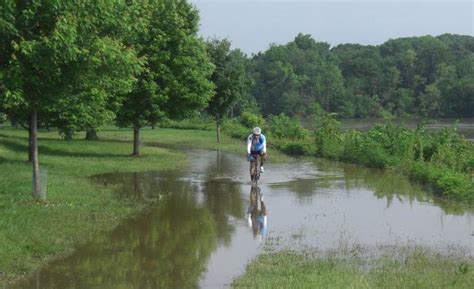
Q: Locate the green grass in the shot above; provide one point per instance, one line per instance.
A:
(76, 210)
(413, 269)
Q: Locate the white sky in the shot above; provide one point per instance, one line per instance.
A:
(253, 25)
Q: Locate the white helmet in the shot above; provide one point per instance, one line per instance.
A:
(256, 130)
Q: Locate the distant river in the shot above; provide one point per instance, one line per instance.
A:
(465, 126)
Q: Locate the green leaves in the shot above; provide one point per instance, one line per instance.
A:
(68, 60)
(229, 77)
(174, 80)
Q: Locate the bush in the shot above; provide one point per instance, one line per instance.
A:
(298, 148)
(328, 137)
(284, 127)
(446, 182)
(251, 120)
(235, 129)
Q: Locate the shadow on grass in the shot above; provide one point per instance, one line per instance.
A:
(44, 150)
(50, 139)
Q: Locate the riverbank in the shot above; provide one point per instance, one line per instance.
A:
(414, 268)
(77, 210)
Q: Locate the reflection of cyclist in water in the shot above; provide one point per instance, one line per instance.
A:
(257, 213)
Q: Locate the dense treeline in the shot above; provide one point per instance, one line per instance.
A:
(420, 76)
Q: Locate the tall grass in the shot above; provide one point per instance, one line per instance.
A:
(415, 269)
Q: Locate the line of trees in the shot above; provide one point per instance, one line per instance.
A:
(418, 76)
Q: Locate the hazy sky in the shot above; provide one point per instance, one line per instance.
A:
(253, 25)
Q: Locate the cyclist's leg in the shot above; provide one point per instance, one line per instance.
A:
(251, 170)
(262, 158)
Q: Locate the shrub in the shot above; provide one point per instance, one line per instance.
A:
(298, 148)
(284, 127)
(251, 120)
(235, 129)
(328, 137)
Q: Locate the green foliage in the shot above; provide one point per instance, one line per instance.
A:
(327, 136)
(174, 81)
(66, 61)
(428, 76)
(284, 127)
(295, 147)
(235, 129)
(251, 120)
(288, 78)
(229, 77)
(240, 127)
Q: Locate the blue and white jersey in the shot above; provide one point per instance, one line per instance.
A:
(254, 145)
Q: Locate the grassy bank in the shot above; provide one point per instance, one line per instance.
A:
(413, 269)
(77, 210)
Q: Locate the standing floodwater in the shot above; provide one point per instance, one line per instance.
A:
(197, 233)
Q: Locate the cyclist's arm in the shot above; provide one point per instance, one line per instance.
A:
(249, 144)
(264, 144)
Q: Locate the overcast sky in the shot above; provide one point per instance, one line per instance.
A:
(253, 25)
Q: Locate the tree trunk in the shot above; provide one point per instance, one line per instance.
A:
(34, 143)
(30, 141)
(136, 140)
(218, 130)
(68, 134)
(91, 135)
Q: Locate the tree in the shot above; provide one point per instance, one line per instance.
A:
(175, 79)
(289, 78)
(429, 101)
(58, 57)
(229, 78)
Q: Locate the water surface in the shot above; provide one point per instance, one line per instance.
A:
(197, 232)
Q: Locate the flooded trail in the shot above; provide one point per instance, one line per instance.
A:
(197, 233)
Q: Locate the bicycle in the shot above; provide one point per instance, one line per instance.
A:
(254, 169)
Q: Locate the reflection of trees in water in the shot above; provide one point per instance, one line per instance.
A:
(384, 184)
(308, 187)
(390, 185)
(142, 185)
(167, 248)
(222, 196)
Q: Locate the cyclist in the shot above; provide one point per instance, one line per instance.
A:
(257, 145)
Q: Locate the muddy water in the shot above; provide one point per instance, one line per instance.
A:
(197, 233)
